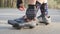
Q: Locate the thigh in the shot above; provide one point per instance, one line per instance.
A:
(40, 1)
(32, 2)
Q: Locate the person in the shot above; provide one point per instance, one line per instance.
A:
(33, 7)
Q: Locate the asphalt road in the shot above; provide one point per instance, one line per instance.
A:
(52, 28)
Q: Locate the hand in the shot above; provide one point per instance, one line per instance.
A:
(22, 7)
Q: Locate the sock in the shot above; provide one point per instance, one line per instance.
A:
(31, 12)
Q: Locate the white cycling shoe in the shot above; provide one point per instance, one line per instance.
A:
(46, 20)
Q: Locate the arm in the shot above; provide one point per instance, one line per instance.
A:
(20, 5)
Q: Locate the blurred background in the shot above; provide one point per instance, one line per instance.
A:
(12, 3)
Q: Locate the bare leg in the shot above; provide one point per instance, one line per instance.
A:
(42, 5)
(44, 11)
(32, 2)
(31, 10)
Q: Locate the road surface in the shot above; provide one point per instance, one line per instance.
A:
(10, 13)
